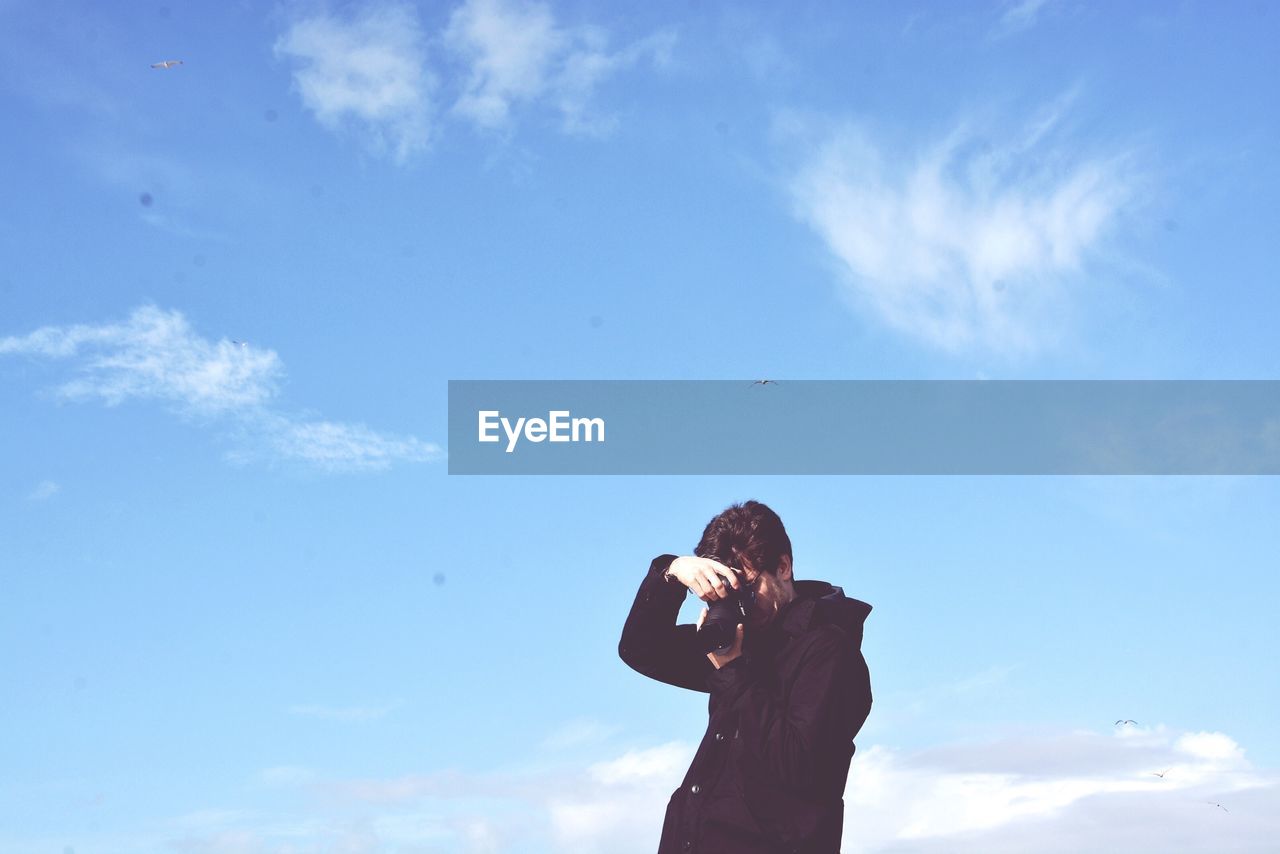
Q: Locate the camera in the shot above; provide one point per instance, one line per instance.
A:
(720, 628)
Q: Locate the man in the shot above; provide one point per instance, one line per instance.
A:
(786, 700)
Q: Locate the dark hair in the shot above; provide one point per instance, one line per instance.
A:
(750, 531)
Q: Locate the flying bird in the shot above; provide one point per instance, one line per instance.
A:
(1118, 723)
(168, 63)
(764, 382)
(1161, 774)
(1219, 806)
(240, 343)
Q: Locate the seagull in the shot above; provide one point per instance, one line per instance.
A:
(240, 343)
(168, 63)
(1219, 806)
(1161, 774)
(1135, 723)
(764, 382)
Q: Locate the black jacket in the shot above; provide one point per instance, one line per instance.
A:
(770, 773)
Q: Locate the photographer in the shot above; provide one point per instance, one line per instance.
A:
(789, 688)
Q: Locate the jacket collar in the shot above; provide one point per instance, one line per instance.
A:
(798, 615)
(795, 617)
(818, 602)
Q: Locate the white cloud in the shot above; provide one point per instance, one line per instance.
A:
(156, 355)
(625, 800)
(978, 797)
(44, 490)
(638, 766)
(577, 733)
(342, 713)
(969, 243)
(1098, 790)
(368, 72)
(1044, 792)
(510, 48)
(373, 72)
(1210, 747)
(287, 775)
(1019, 15)
(169, 194)
(612, 805)
(516, 53)
(175, 226)
(335, 446)
(482, 837)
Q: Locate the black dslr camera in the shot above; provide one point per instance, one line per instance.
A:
(720, 628)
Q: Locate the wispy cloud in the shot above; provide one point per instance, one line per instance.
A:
(342, 713)
(287, 775)
(338, 446)
(510, 48)
(624, 799)
(171, 194)
(164, 222)
(1084, 791)
(366, 72)
(615, 804)
(950, 699)
(1019, 15)
(1059, 791)
(578, 733)
(971, 242)
(516, 53)
(157, 355)
(44, 490)
(378, 73)
(89, 85)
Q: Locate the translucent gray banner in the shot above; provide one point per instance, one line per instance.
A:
(864, 427)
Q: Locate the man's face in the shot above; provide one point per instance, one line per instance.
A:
(772, 591)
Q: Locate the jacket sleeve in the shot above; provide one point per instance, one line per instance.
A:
(653, 644)
(795, 740)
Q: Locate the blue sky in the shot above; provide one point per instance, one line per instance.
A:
(246, 609)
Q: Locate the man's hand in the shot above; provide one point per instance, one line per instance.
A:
(707, 578)
(720, 659)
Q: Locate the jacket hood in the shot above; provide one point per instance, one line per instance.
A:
(830, 605)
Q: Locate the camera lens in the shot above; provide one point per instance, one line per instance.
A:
(720, 628)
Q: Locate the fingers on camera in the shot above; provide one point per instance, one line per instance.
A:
(729, 574)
